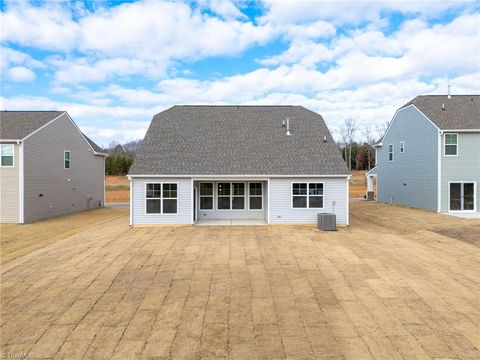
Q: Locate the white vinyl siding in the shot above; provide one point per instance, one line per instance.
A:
(183, 198)
(335, 199)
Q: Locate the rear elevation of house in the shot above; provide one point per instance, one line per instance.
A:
(429, 157)
(255, 164)
(48, 167)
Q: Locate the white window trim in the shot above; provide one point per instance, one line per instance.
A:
(200, 196)
(245, 196)
(402, 147)
(254, 196)
(474, 197)
(69, 159)
(161, 198)
(307, 196)
(388, 152)
(445, 144)
(13, 157)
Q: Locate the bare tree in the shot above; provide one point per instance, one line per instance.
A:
(369, 139)
(348, 131)
(382, 128)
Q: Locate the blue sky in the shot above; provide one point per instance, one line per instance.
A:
(112, 65)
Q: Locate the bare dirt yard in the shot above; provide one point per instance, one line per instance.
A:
(18, 240)
(395, 285)
(117, 189)
(358, 184)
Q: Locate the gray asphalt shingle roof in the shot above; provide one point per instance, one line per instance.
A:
(15, 125)
(461, 111)
(237, 140)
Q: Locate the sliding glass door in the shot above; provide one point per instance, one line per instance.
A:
(462, 196)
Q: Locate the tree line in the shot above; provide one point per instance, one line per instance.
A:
(120, 157)
(356, 146)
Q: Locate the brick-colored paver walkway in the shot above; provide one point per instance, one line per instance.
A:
(390, 287)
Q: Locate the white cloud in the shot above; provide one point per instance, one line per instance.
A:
(21, 74)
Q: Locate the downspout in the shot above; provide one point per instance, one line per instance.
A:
(131, 201)
(439, 190)
(21, 210)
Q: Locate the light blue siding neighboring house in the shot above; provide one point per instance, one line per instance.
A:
(264, 164)
(417, 168)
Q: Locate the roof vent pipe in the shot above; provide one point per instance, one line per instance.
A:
(324, 139)
(449, 96)
(443, 106)
(283, 123)
(288, 133)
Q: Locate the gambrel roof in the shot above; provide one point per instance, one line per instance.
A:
(238, 140)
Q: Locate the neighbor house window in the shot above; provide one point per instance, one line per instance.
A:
(307, 195)
(161, 198)
(231, 196)
(66, 159)
(390, 152)
(206, 196)
(402, 146)
(451, 144)
(255, 196)
(7, 154)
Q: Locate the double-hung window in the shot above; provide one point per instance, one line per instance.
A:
(230, 196)
(402, 146)
(7, 154)
(66, 159)
(238, 196)
(307, 195)
(206, 196)
(161, 198)
(255, 196)
(451, 145)
(390, 152)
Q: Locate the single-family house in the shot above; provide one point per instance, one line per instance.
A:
(260, 164)
(48, 167)
(429, 157)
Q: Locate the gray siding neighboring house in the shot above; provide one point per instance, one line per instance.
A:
(237, 163)
(42, 183)
(423, 175)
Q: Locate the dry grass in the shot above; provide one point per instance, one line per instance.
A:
(389, 287)
(18, 240)
(117, 189)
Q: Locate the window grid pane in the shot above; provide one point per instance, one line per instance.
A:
(450, 149)
(223, 189)
(206, 189)
(255, 189)
(7, 150)
(299, 189)
(169, 190)
(238, 189)
(299, 202)
(315, 189)
(153, 206)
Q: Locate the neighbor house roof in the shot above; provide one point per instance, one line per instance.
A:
(16, 125)
(237, 140)
(459, 112)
